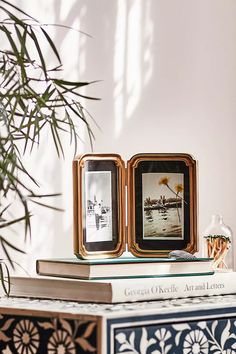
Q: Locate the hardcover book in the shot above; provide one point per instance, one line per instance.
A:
(124, 290)
(124, 267)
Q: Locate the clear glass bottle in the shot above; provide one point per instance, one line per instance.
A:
(218, 243)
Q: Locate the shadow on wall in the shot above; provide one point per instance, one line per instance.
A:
(167, 85)
(126, 30)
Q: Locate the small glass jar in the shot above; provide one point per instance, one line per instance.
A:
(218, 243)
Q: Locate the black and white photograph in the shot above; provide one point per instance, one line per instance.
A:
(163, 206)
(98, 213)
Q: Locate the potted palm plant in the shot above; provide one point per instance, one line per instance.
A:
(33, 97)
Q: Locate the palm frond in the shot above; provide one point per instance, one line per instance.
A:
(32, 98)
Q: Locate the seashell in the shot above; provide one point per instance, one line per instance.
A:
(179, 254)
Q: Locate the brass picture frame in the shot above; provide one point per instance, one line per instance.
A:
(162, 204)
(99, 202)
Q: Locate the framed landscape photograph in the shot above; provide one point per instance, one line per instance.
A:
(99, 226)
(161, 204)
(163, 216)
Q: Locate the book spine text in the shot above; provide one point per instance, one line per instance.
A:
(174, 287)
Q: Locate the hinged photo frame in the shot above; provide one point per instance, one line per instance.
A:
(160, 208)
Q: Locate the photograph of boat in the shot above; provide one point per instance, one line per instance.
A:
(163, 205)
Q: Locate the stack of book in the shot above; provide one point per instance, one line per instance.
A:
(123, 279)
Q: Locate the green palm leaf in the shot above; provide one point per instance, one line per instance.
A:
(32, 99)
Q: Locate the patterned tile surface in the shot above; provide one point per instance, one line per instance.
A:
(109, 310)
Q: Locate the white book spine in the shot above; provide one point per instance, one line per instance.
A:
(173, 287)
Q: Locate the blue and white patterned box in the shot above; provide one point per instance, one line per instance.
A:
(197, 325)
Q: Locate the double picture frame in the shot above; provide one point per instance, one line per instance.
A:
(148, 207)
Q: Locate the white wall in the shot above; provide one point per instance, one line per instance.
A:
(168, 71)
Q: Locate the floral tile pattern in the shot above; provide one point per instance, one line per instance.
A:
(178, 326)
(213, 337)
(37, 335)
